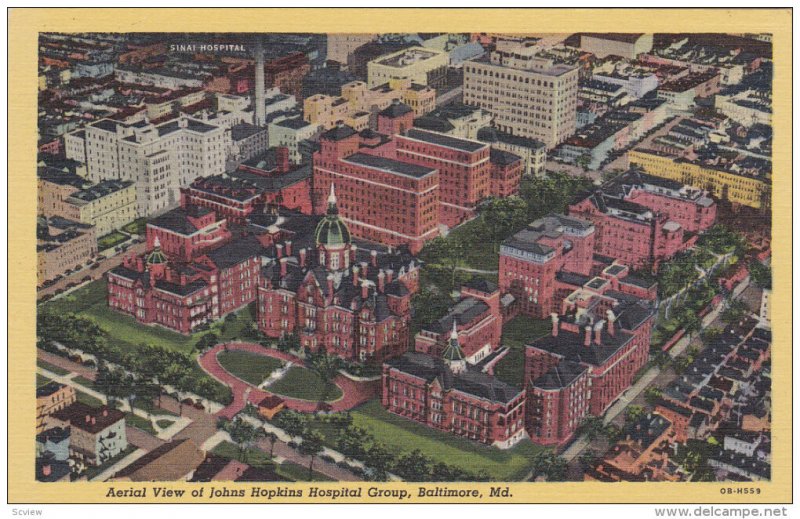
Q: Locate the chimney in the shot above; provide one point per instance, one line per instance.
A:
(355, 276)
(94, 420)
(381, 281)
(88, 418)
(611, 318)
(105, 411)
(282, 263)
(554, 319)
(374, 258)
(260, 102)
(364, 289)
(288, 247)
(46, 470)
(389, 275)
(587, 339)
(303, 257)
(330, 284)
(279, 250)
(282, 158)
(598, 332)
(353, 250)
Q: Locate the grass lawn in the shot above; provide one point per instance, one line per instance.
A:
(255, 457)
(518, 332)
(403, 435)
(164, 423)
(249, 367)
(295, 472)
(85, 382)
(481, 258)
(138, 226)
(51, 367)
(41, 380)
(304, 384)
(139, 422)
(90, 301)
(88, 399)
(110, 240)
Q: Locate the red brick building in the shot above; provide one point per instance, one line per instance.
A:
(269, 181)
(594, 350)
(505, 173)
(642, 220)
(186, 232)
(347, 301)
(464, 170)
(478, 321)
(530, 260)
(396, 118)
(287, 73)
(443, 392)
(380, 199)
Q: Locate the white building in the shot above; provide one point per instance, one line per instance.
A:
(289, 133)
(158, 158)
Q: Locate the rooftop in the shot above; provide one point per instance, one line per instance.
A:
(389, 165)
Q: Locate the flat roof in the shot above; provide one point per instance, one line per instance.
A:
(444, 140)
(389, 165)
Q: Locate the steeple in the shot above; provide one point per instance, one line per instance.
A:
(332, 209)
(453, 355)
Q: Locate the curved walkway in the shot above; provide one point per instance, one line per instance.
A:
(353, 393)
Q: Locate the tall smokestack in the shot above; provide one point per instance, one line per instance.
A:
(260, 115)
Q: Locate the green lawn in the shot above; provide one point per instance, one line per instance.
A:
(138, 226)
(164, 423)
(85, 382)
(402, 435)
(90, 301)
(41, 380)
(111, 239)
(88, 399)
(516, 334)
(305, 384)
(249, 367)
(255, 457)
(295, 472)
(139, 422)
(51, 368)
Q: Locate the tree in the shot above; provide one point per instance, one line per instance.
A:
(550, 465)
(352, 442)
(413, 466)
(271, 438)
(206, 342)
(592, 427)
(446, 251)
(292, 422)
(761, 274)
(242, 434)
(633, 413)
(652, 395)
(379, 459)
(503, 216)
(327, 367)
(734, 311)
(311, 446)
(587, 458)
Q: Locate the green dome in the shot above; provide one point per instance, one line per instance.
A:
(332, 231)
(156, 257)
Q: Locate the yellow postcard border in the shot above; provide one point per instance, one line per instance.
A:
(24, 25)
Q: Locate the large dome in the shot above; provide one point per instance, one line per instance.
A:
(156, 257)
(332, 231)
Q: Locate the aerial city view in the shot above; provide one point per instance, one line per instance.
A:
(404, 257)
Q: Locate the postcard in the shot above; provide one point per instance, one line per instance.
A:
(400, 256)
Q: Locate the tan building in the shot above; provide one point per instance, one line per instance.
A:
(359, 105)
(340, 46)
(624, 45)
(54, 188)
(107, 205)
(529, 96)
(63, 245)
(417, 64)
(50, 398)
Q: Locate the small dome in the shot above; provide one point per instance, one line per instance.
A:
(332, 231)
(156, 257)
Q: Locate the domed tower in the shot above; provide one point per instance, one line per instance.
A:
(156, 260)
(453, 354)
(332, 238)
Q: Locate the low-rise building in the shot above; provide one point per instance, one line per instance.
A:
(63, 245)
(50, 398)
(97, 434)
